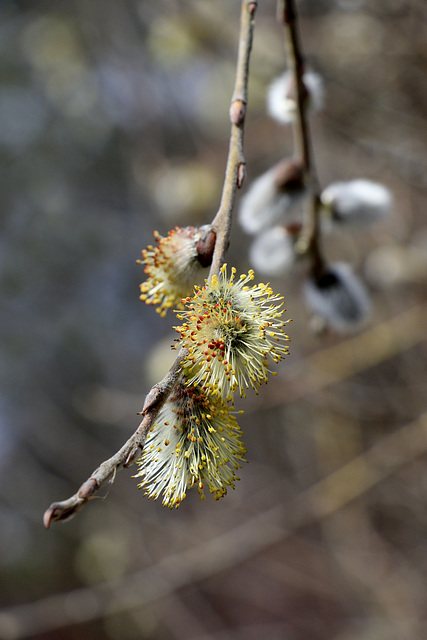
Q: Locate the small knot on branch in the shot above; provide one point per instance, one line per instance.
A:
(88, 488)
(151, 399)
(132, 453)
(241, 174)
(237, 111)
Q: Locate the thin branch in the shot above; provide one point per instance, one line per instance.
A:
(235, 169)
(123, 458)
(309, 242)
(155, 399)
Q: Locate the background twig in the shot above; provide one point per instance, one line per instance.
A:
(309, 242)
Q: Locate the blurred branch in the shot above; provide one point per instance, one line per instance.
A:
(287, 15)
(226, 550)
(155, 399)
(309, 242)
(354, 355)
(369, 468)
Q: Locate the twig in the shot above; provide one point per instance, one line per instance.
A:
(235, 169)
(155, 399)
(309, 242)
(123, 458)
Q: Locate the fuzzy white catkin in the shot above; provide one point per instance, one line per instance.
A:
(263, 205)
(357, 201)
(339, 298)
(272, 252)
(280, 100)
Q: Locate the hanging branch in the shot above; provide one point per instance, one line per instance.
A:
(235, 169)
(309, 242)
(234, 176)
(124, 457)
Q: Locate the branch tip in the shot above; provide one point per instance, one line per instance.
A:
(47, 517)
(61, 511)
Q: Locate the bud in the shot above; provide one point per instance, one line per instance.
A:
(338, 298)
(273, 251)
(230, 330)
(356, 202)
(175, 264)
(273, 197)
(281, 96)
(195, 440)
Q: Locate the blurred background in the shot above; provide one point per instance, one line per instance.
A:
(113, 123)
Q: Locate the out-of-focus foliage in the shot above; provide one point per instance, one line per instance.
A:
(113, 123)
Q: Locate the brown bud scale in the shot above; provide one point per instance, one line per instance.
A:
(205, 249)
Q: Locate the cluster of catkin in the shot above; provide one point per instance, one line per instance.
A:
(232, 330)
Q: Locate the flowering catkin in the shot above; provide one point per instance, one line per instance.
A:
(195, 440)
(230, 330)
(175, 264)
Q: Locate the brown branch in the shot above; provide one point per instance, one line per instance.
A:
(309, 242)
(235, 169)
(123, 458)
(155, 399)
